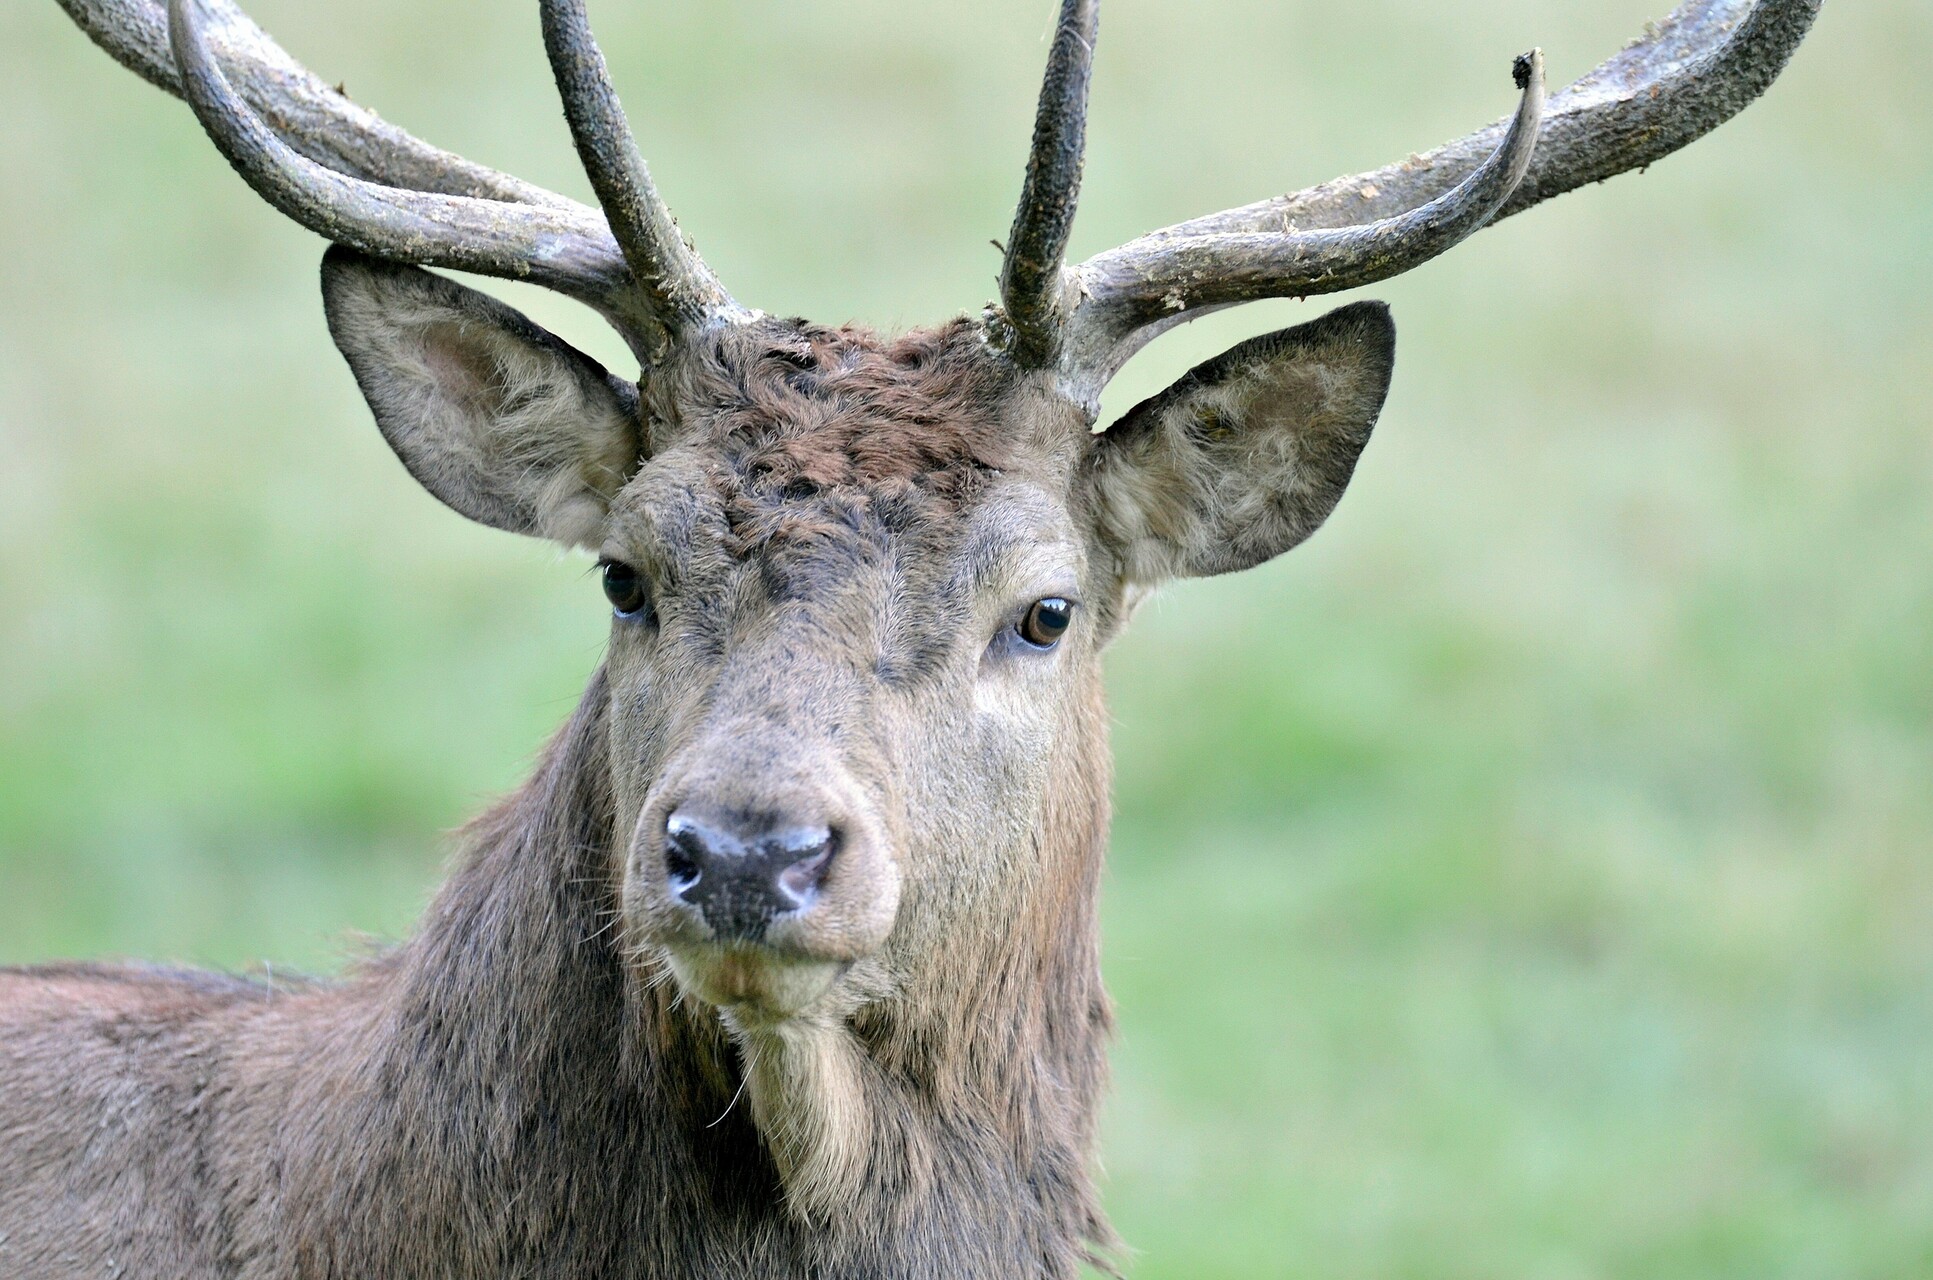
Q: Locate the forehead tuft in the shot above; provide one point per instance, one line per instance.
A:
(791, 410)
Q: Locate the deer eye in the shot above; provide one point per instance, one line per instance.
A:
(625, 588)
(1045, 621)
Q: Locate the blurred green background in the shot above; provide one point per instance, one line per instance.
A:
(1532, 876)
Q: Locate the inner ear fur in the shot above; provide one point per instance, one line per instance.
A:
(1246, 455)
(504, 421)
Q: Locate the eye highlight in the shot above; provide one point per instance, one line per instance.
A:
(1045, 621)
(627, 591)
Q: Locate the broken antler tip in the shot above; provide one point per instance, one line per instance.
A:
(1526, 65)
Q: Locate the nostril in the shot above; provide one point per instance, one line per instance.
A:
(685, 853)
(681, 873)
(800, 880)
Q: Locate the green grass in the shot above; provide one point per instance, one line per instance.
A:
(1530, 877)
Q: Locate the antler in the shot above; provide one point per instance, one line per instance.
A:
(1688, 75)
(308, 114)
(683, 289)
(1030, 276)
(342, 171)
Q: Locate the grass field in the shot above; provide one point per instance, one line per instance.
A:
(1532, 876)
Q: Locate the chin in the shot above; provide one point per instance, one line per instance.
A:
(757, 986)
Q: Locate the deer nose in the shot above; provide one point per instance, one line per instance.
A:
(740, 876)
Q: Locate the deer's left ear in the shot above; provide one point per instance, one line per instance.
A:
(1247, 454)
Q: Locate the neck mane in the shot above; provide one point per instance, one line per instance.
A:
(558, 1109)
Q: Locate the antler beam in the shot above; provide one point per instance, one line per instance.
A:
(565, 250)
(1687, 75)
(313, 117)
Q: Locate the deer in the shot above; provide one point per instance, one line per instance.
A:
(784, 960)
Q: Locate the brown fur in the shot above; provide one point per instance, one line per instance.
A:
(791, 403)
(563, 1073)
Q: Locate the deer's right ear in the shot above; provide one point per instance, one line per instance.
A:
(504, 421)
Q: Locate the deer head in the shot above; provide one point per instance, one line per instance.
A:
(860, 585)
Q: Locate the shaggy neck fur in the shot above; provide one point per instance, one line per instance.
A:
(510, 1096)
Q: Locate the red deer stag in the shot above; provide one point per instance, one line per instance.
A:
(823, 837)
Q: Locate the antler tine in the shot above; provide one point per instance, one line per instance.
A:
(314, 118)
(1031, 283)
(346, 173)
(682, 287)
(1130, 289)
(1691, 73)
(569, 250)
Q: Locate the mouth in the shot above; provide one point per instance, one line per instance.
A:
(756, 984)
